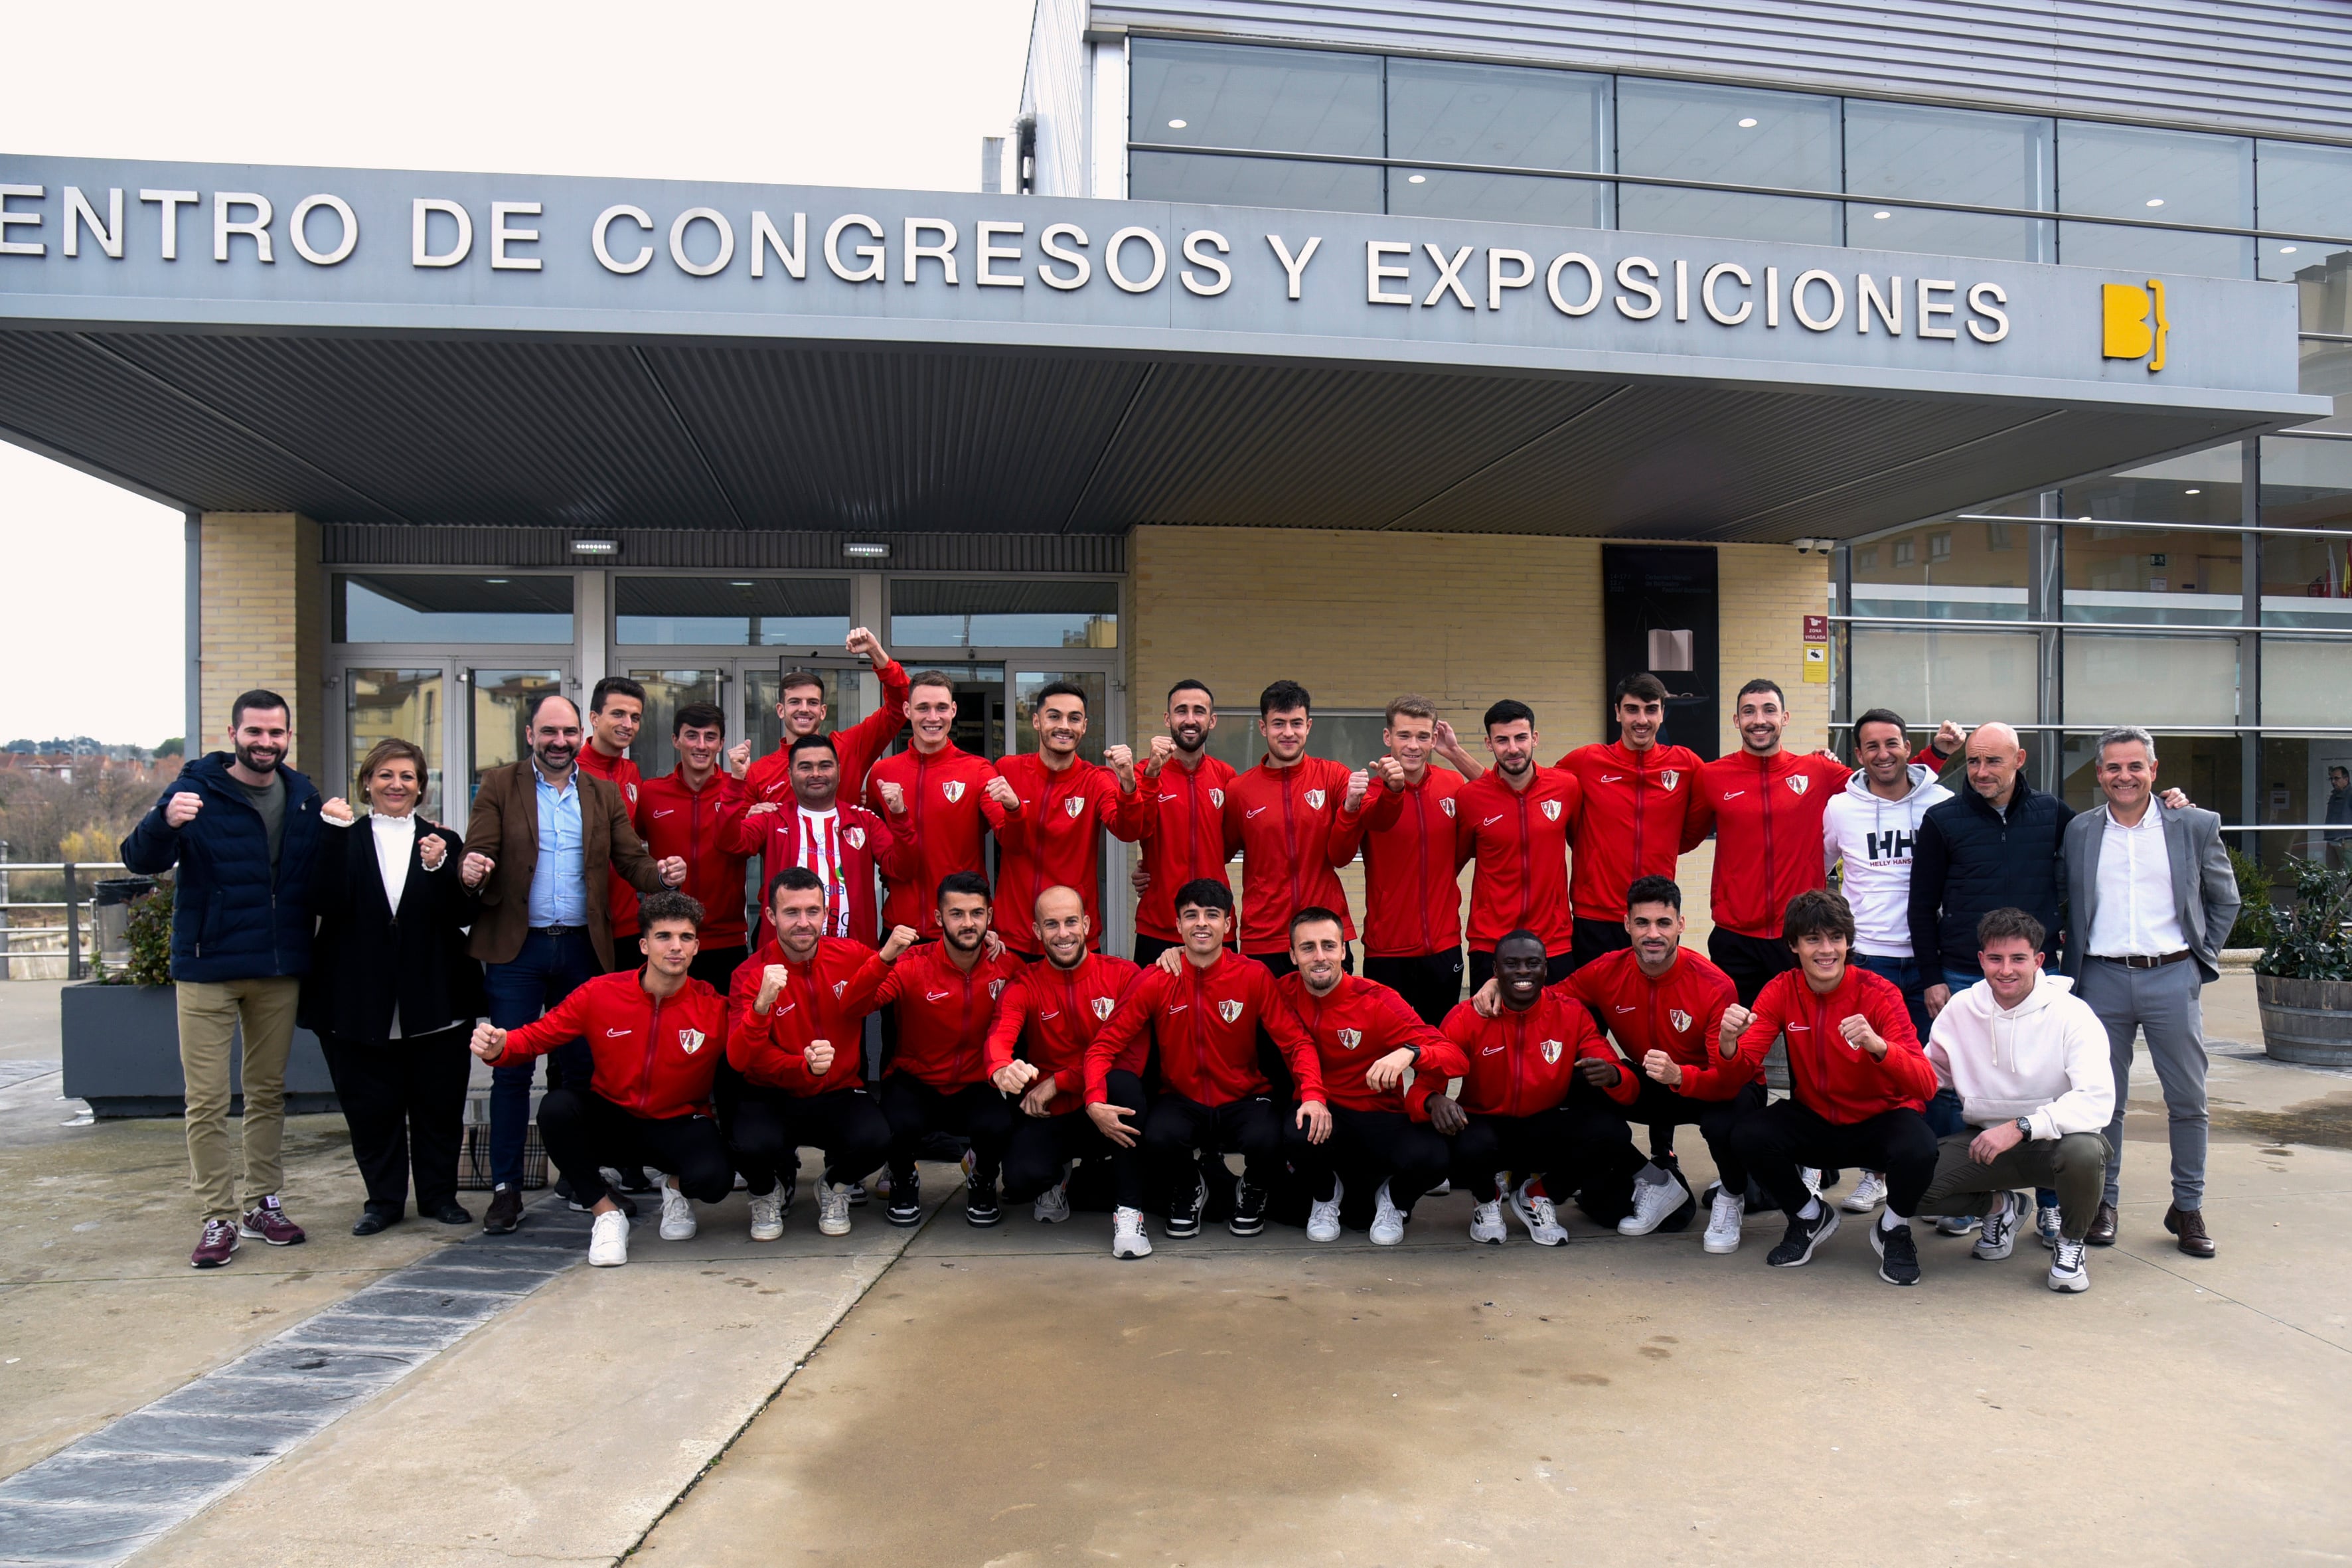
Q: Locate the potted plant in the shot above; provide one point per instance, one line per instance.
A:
(121, 1031)
(2302, 982)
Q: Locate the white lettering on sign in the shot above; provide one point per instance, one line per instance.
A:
(1294, 268)
(1150, 281)
(298, 230)
(1199, 258)
(80, 214)
(877, 260)
(503, 235)
(982, 274)
(1375, 273)
(420, 250)
(9, 220)
(600, 238)
(765, 238)
(677, 250)
(1080, 267)
(256, 228)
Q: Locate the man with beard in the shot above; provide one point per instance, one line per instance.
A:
(543, 837)
(935, 1077)
(1629, 824)
(1515, 823)
(1052, 1010)
(1279, 817)
(846, 846)
(941, 791)
(1401, 812)
(242, 828)
(682, 814)
(1190, 842)
(616, 710)
(1056, 805)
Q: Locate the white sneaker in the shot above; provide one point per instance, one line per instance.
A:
(1487, 1224)
(1867, 1195)
(678, 1214)
(2001, 1228)
(832, 1208)
(768, 1216)
(1537, 1215)
(1323, 1216)
(1052, 1205)
(2066, 1270)
(608, 1240)
(1723, 1221)
(1387, 1220)
(1654, 1201)
(1127, 1238)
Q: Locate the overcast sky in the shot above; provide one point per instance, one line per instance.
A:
(894, 95)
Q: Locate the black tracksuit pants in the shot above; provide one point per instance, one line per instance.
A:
(1660, 1109)
(585, 1132)
(1784, 1135)
(1041, 1146)
(1750, 961)
(1580, 1146)
(916, 1110)
(404, 1102)
(1261, 1127)
(1596, 938)
(771, 1125)
(1369, 1147)
(1430, 983)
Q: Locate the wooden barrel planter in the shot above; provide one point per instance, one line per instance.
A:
(2306, 1021)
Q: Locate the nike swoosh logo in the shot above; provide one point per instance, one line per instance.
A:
(1735, 795)
(937, 996)
(1797, 1028)
(1611, 778)
(1492, 1051)
(1624, 1009)
(1178, 1008)
(671, 811)
(1048, 1017)
(618, 1034)
(1253, 811)
(1491, 820)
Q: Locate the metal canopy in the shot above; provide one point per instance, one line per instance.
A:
(668, 432)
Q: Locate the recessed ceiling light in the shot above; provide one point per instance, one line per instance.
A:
(1416, 179)
(1175, 125)
(1882, 215)
(2192, 492)
(2156, 201)
(499, 581)
(2286, 250)
(739, 584)
(1749, 123)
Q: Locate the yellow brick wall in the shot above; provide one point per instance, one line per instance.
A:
(261, 624)
(1765, 592)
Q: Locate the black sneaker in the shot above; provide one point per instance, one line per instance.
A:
(1796, 1248)
(635, 1180)
(858, 1194)
(1249, 1208)
(1898, 1254)
(980, 1201)
(505, 1211)
(1184, 1210)
(906, 1201)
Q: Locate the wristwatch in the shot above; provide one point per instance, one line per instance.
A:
(2025, 1129)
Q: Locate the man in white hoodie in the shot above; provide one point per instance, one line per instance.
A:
(2030, 1062)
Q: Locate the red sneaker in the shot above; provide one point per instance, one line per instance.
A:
(264, 1221)
(218, 1247)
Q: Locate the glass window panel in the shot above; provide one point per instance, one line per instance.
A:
(2150, 576)
(1499, 198)
(389, 704)
(434, 607)
(2155, 250)
(2150, 680)
(2130, 171)
(2305, 682)
(2307, 484)
(755, 612)
(1948, 570)
(667, 691)
(1285, 100)
(1694, 131)
(1027, 683)
(2307, 582)
(1455, 114)
(1952, 155)
(2206, 766)
(1930, 676)
(2325, 370)
(497, 725)
(2306, 779)
(1730, 215)
(1004, 612)
(2305, 188)
(1253, 181)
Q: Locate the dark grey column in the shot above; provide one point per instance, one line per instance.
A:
(2045, 601)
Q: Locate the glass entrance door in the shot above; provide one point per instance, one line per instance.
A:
(401, 702)
(745, 690)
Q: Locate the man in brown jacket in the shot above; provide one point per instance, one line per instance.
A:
(543, 837)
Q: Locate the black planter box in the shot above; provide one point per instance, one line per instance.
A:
(122, 1045)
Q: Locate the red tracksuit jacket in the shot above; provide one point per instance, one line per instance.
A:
(1281, 820)
(1055, 1014)
(944, 1014)
(1680, 1013)
(674, 820)
(654, 1058)
(1838, 1082)
(621, 772)
(1631, 822)
(1519, 838)
(866, 844)
(1190, 842)
(948, 810)
(1521, 1063)
(1357, 1025)
(1205, 1023)
(1766, 813)
(826, 998)
(770, 777)
(1052, 841)
(1412, 895)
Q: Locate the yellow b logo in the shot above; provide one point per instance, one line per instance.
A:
(2134, 323)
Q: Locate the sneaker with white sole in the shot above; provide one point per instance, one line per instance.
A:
(1656, 1195)
(1323, 1213)
(678, 1214)
(906, 1205)
(1958, 1224)
(1184, 1209)
(1052, 1205)
(1487, 1223)
(768, 1216)
(1127, 1238)
(1387, 1220)
(2000, 1227)
(1723, 1216)
(608, 1240)
(832, 1208)
(2046, 1224)
(1536, 1212)
(2066, 1270)
(1867, 1195)
(1898, 1254)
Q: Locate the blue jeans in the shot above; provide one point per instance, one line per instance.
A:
(547, 969)
(1960, 980)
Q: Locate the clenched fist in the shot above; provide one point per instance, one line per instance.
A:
(738, 758)
(1163, 748)
(901, 939)
(1390, 771)
(772, 981)
(1003, 793)
(475, 869)
(337, 811)
(1014, 1076)
(489, 1042)
(673, 870)
(1735, 1020)
(819, 1057)
(1121, 760)
(894, 798)
(181, 808)
(1358, 783)
(432, 850)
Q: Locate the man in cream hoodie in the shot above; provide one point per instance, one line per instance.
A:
(2029, 1060)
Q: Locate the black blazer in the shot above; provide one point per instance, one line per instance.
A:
(368, 959)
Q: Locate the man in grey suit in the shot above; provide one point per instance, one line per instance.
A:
(2151, 899)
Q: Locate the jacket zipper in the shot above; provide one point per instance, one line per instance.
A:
(1641, 806)
(1290, 836)
(653, 1035)
(1527, 863)
(1420, 825)
(1764, 796)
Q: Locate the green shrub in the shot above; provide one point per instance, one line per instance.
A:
(2309, 941)
(2255, 914)
(150, 930)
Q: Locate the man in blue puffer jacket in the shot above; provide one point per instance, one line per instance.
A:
(241, 826)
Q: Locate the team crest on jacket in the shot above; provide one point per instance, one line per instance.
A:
(1681, 1020)
(1552, 811)
(854, 836)
(1217, 798)
(838, 987)
(1314, 800)
(995, 989)
(1074, 804)
(1550, 1049)
(953, 790)
(1668, 779)
(1447, 805)
(1799, 783)
(1103, 1005)
(690, 1040)
(1228, 1011)
(1351, 1038)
